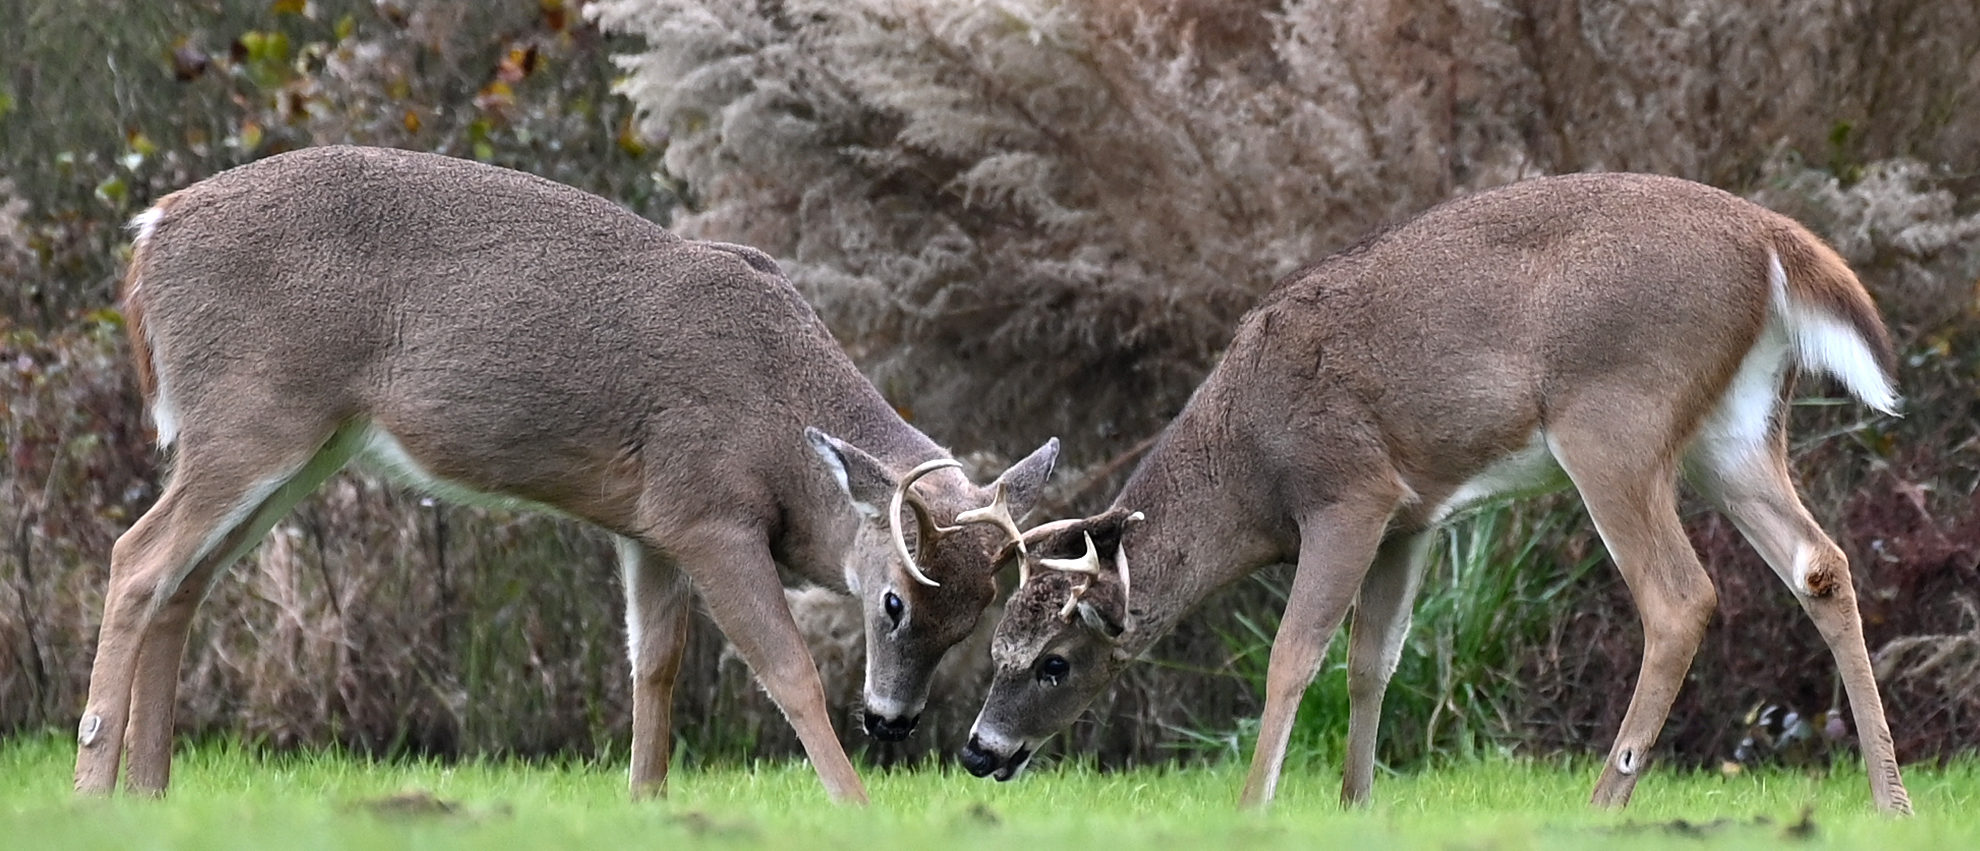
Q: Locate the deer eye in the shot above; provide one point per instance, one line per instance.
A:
(892, 603)
(1052, 669)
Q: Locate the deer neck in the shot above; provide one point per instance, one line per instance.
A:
(1209, 521)
(856, 413)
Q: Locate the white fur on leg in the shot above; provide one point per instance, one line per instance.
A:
(631, 558)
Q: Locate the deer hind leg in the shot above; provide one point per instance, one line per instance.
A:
(1751, 485)
(1633, 501)
(1381, 621)
(1337, 546)
(222, 498)
(657, 608)
(733, 571)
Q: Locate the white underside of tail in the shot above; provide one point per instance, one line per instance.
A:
(1827, 344)
(1742, 421)
(164, 414)
(1735, 436)
(144, 223)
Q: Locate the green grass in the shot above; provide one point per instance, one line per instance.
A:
(226, 798)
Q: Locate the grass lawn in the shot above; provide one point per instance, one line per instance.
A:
(225, 798)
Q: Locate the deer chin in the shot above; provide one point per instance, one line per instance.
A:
(1015, 768)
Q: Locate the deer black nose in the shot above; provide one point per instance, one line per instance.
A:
(889, 729)
(977, 760)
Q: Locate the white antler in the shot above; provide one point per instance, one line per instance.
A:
(1039, 531)
(1120, 558)
(922, 516)
(1072, 600)
(1088, 563)
(998, 514)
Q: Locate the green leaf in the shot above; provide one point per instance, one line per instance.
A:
(112, 191)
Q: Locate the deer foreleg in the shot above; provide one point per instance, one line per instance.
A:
(1336, 546)
(1381, 621)
(737, 578)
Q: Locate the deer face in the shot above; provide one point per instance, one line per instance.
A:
(1059, 643)
(924, 564)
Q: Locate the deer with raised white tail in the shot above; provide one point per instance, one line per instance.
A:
(1611, 331)
(487, 334)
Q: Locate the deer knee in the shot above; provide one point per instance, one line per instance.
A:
(1292, 668)
(137, 588)
(1698, 608)
(1683, 613)
(657, 665)
(1369, 673)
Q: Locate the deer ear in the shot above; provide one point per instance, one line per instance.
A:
(1100, 617)
(1025, 480)
(861, 476)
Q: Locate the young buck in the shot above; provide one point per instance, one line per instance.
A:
(483, 333)
(1611, 331)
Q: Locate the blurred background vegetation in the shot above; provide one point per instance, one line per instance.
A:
(1053, 211)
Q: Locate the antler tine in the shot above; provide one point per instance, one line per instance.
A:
(998, 514)
(1024, 564)
(1120, 558)
(1088, 564)
(922, 516)
(1072, 600)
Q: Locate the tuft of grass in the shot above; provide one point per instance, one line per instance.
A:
(1495, 583)
(228, 797)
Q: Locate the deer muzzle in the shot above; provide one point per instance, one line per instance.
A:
(983, 760)
(888, 729)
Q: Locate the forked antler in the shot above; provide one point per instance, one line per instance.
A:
(1088, 565)
(924, 518)
(1072, 600)
(1120, 555)
(998, 514)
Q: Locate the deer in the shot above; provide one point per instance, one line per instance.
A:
(493, 337)
(1609, 332)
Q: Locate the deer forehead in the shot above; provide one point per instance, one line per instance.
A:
(971, 547)
(1019, 649)
(1031, 619)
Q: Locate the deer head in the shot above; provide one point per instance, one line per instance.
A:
(1060, 641)
(924, 564)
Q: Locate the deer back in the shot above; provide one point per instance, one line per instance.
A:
(513, 335)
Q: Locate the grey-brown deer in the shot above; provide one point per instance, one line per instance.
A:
(487, 334)
(1611, 331)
